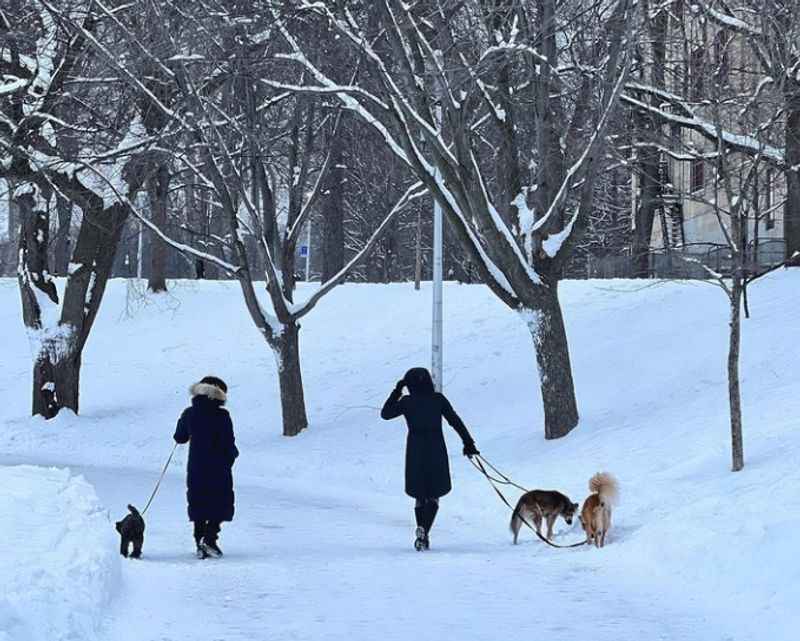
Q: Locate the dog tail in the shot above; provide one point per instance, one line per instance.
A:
(605, 486)
(516, 520)
(133, 510)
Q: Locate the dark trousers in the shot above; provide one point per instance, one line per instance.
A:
(425, 511)
(208, 530)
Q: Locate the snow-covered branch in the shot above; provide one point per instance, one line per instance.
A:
(144, 220)
(417, 190)
(688, 119)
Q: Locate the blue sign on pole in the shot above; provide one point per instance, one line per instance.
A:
(304, 250)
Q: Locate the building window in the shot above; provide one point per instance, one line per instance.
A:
(697, 175)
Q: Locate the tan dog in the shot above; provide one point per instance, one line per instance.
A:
(595, 515)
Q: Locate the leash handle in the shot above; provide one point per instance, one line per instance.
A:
(477, 462)
(160, 478)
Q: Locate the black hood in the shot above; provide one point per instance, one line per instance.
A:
(419, 381)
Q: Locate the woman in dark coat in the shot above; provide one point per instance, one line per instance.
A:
(208, 429)
(427, 467)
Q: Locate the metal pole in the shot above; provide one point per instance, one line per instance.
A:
(437, 356)
(436, 346)
(308, 250)
(418, 252)
(139, 252)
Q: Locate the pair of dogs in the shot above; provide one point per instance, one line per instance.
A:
(547, 505)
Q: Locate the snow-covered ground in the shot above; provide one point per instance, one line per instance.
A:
(321, 544)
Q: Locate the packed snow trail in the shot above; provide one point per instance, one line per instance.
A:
(301, 566)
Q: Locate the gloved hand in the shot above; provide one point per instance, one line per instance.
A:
(470, 450)
(400, 385)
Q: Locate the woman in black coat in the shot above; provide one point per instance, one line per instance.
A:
(208, 429)
(427, 467)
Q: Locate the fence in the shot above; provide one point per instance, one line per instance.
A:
(688, 261)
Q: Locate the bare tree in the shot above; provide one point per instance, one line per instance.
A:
(731, 203)
(445, 78)
(39, 59)
(222, 119)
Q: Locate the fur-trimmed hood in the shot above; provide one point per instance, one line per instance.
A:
(211, 391)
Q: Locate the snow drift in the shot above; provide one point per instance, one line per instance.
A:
(59, 566)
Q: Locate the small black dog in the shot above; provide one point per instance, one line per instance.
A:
(131, 529)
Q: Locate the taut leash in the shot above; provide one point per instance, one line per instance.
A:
(160, 478)
(478, 463)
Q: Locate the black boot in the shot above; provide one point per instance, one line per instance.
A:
(420, 533)
(199, 532)
(421, 542)
(209, 542)
(425, 511)
(431, 509)
(429, 514)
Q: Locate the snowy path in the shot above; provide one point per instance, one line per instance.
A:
(302, 567)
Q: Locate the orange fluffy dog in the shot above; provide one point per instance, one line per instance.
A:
(596, 512)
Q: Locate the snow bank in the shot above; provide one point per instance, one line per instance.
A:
(59, 563)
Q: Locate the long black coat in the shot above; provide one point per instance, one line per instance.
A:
(427, 467)
(208, 429)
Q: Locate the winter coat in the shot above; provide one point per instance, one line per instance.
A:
(427, 467)
(208, 429)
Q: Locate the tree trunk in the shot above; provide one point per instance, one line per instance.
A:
(647, 166)
(290, 378)
(546, 325)
(194, 218)
(502, 18)
(33, 273)
(158, 192)
(56, 381)
(418, 251)
(645, 212)
(61, 329)
(791, 215)
(10, 259)
(62, 244)
(57, 363)
(547, 118)
(333, 216)
(737, 447)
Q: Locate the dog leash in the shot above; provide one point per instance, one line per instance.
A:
(160, 478)
(478, 462)
(504, 480)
